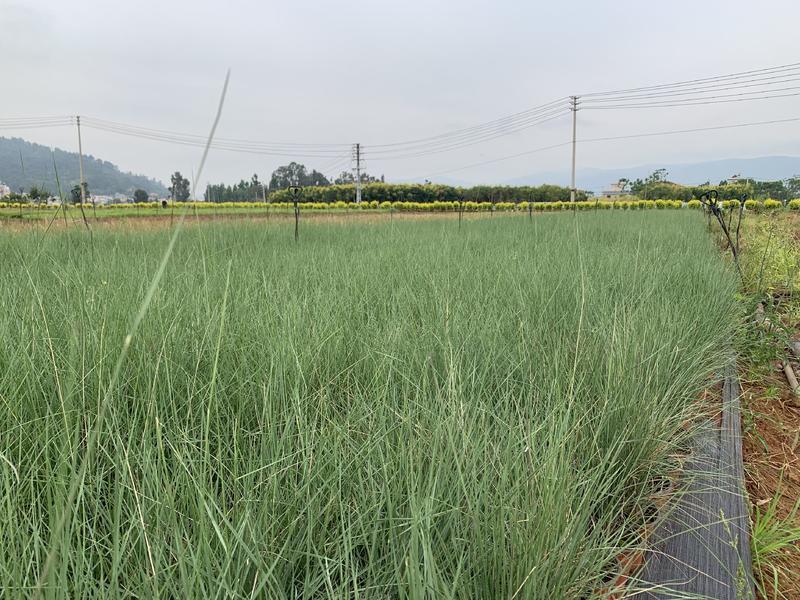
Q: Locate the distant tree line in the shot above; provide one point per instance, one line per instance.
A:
(348, 177)
(244, 191)
(431, 192)
(318, 188)
(254, 190)
(656, 186)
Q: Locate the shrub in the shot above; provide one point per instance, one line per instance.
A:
(753, 205)
(772, 204)
(730, 205)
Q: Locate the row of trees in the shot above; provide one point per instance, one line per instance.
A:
(318, 188)
(429, 192)
(657, 186)
(244, 191)
(253, 190)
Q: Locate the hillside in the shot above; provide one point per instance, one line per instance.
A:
(102, 176)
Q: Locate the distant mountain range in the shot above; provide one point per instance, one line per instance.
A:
(764, 168)
(24, 164)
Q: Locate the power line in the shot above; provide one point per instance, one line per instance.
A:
(698, 102)
(694, 130)
(469, 142)
(494, 160)
(501, 122)
(13, 120)
(334, 164)
(689, 82)
(194, 137)
(34, 122)
(612, 138)
(701, 90)
(498, 131)
(331, 173)
(43, 126)
(216, 145)
(442, 142)
(693, 92)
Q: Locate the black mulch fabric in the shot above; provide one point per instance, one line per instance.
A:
(702, 549)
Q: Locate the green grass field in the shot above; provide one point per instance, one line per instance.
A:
(109, 212)
(384, 410)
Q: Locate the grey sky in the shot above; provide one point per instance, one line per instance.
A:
(379, 72)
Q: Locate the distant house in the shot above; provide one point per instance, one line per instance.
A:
(614, 189)
(735, 178)
(4, 190)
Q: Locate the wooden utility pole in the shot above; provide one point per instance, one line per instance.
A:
(358, 173)
(80, 162)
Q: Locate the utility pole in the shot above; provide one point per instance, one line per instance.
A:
(573, 101)
(358, 173)
(80, 162)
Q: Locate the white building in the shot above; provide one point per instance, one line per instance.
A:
(4, 190)
(614, 189)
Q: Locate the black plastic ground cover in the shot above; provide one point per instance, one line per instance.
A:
(702, 548)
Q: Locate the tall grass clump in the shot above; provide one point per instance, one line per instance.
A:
(384, 410)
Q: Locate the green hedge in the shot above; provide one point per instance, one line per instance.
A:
(412, 192)
(441, 205)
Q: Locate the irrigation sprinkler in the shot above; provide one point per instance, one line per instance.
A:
(295, 191)
(710, 201)
(460, 210)
(742, 200)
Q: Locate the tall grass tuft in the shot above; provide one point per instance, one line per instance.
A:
(384, 410)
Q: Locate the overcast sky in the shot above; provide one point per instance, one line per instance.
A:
(378, 72)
